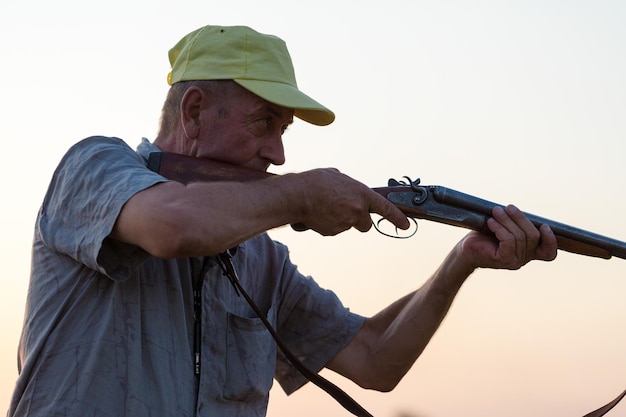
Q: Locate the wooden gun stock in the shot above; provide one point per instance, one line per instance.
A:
(434, 203)
(186, 169)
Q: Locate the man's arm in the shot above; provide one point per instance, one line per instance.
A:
(205, 218)
(390, 342)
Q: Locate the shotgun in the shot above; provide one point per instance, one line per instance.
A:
(428, 202)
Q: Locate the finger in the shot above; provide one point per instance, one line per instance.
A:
(516, 235)
(521, 221)
(383, 207)
(364, 224)
(299, 227)
(547, 249)
(528, 234)
(509, 235)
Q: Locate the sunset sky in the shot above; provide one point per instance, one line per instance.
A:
(514, 101)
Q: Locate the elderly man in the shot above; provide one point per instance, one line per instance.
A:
(129, 312)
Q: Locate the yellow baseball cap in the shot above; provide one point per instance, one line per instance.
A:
(260, 63)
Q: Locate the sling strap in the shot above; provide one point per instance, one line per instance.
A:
(225, 262)
(334, 391)
(603, 410)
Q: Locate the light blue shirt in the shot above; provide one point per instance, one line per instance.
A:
(109, 329)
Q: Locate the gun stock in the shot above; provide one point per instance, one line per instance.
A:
(434, 203)
(186, 169)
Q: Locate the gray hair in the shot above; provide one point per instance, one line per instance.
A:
(170, 113)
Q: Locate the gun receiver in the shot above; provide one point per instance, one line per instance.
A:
(431, 202)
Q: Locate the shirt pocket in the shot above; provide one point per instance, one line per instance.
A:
(250, 358)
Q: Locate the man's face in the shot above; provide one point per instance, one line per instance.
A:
(243, 129)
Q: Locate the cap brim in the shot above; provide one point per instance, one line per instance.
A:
(286, 95)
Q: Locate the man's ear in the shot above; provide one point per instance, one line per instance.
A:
(190, 108)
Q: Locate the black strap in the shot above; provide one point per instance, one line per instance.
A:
(344, 399)
(603, 410)
(334, 391)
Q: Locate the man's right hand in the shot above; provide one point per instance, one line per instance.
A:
(332, 202)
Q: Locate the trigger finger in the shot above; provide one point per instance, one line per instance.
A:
(389, 211)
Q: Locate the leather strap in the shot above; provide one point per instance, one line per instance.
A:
(603, 410)
(342, 398)
(334, 391)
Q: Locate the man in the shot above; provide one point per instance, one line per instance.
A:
(128, 310)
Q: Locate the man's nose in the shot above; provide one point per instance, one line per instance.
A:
(274, 151)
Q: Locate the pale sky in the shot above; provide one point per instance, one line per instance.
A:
(515, 101)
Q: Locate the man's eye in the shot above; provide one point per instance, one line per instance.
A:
(266, 122)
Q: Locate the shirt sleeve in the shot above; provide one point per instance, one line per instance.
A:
(93, 181)
(314, 323)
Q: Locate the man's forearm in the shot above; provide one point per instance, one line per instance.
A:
(392, 340)
(174, 220)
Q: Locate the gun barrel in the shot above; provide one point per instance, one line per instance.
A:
(570, 238)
